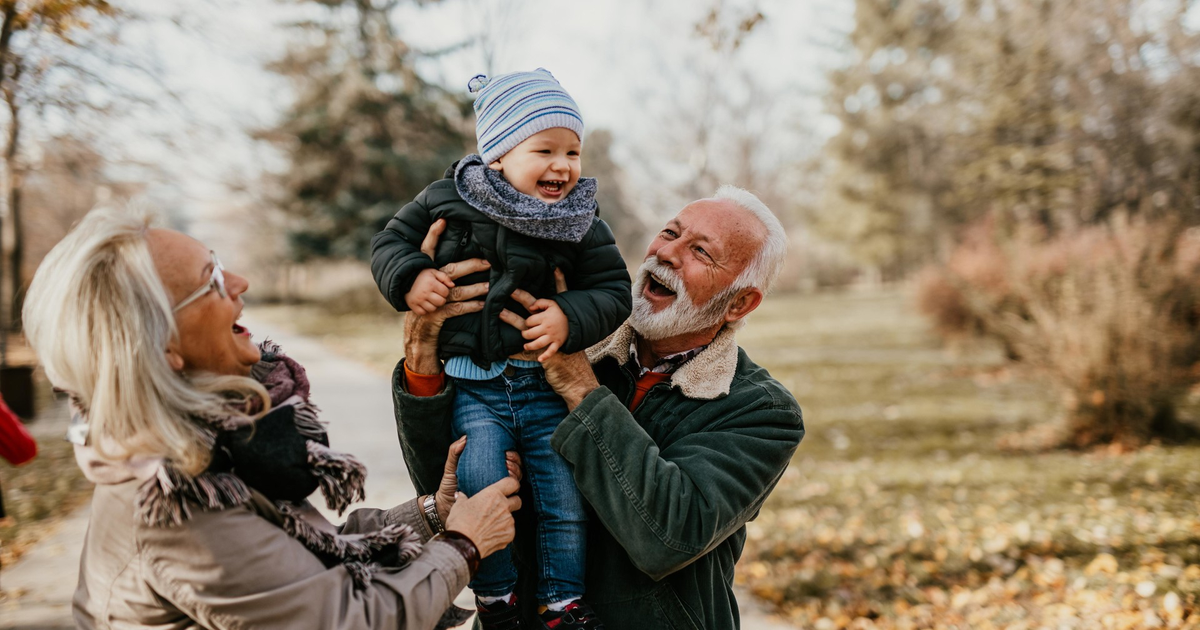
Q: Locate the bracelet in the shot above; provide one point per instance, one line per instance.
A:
(460, 542)
(429, 508)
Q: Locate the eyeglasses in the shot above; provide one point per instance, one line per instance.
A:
(217, 281)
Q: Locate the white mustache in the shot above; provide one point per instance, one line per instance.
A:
(663, 274)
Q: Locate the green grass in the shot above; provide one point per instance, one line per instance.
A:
(901, 508)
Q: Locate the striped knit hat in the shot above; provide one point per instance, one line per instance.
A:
(512, 107)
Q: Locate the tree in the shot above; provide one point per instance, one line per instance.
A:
(1059, 114)
(365, 133)
(33, 38)
(706, 109)
(1043, 154)
(883, 191)
(66, 180)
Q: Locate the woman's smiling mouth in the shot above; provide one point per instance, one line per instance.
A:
(239, 329)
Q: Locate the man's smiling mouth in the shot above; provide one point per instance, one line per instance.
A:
(657, 287)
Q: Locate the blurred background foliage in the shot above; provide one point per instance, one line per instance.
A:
(1041, 160)
(1054, 114)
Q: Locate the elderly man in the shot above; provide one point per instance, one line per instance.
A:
(675, 437)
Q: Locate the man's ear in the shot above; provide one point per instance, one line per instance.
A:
(496, 166)
(174, 359)
(743, 304)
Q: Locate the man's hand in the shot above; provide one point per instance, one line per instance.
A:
(421, 329)
(547, 327)
(570, 375)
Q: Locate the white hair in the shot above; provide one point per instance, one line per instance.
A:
(764, 268)
(683, 316)
(100, 319)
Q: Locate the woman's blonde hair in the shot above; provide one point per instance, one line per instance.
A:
(100, 319)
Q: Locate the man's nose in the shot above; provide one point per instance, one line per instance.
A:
(668, 253)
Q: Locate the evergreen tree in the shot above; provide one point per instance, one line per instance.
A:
(366, 132)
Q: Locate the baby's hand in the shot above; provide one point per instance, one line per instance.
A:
(428, 292)
(547, 327)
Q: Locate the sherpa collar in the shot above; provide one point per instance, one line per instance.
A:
(487, 191)
(706, 376)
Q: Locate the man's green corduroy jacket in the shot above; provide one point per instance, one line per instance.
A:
(670, 485)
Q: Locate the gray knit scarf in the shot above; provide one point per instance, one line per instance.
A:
(487, 191)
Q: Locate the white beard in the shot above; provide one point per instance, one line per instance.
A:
(683, 316)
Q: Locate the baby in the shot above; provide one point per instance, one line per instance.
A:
(521, 204)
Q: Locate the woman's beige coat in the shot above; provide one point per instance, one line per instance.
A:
(236, 568)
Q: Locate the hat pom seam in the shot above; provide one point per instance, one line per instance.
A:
(477, 83)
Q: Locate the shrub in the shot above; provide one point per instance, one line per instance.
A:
(1109, 313)
(939, 299)
(973, 283)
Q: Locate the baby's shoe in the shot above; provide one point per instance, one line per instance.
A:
(576, 616)
(499, 615)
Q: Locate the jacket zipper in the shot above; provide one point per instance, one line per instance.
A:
(462, 243)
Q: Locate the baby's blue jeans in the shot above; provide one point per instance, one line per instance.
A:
(518, 410)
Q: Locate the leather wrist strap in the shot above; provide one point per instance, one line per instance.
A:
(460, 542)
(429, 509)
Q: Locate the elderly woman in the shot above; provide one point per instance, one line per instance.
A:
(204, 447)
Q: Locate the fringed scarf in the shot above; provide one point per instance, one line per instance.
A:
(487, 191)
(285, 456)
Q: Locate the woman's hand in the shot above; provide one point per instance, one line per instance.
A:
(486, 518)
(421, 330)
(448, 488)
(570, 375)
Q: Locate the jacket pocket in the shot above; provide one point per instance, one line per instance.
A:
(453, 244)
(673, 609)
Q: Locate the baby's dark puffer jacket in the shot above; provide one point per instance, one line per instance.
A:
(597, 300)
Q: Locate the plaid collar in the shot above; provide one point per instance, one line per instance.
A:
(664, 365)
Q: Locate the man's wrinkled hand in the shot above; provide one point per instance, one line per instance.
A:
(421, 329)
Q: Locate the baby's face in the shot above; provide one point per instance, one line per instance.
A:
(545, 166)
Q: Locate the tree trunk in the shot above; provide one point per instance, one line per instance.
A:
(7, 82)
(15, 181)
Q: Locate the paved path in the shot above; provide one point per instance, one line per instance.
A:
(356, 403)
(37, 590)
